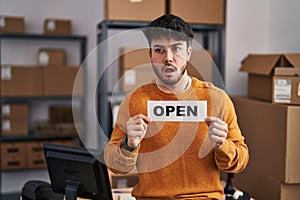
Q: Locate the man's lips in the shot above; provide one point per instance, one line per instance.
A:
(168, 69)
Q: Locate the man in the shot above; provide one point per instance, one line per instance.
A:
(175, 159)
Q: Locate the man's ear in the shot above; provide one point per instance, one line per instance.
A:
(189, 51)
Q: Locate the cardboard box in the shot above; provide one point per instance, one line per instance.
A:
(57, 26)
(11, 24)
(15, 110)
(59, 81)
(51, 57)
(15, 126)
(201, 65)
(122, 180)
(134, 10)
(273, 77)
(15, 119)
(135, 68)
(35, 155)
(199, 11)
(12, 155)
(45, 129)
(60, 113)
(272, 134)
(261, 186)
(21, 80)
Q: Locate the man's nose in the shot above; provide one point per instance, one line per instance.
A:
(168, 56)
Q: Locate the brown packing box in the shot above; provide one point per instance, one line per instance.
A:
(51, 57)
(21, 80)
(45, 129)
(35, 155)
(134, 68)
(15, 110)
(12, 155)
(272, 134)
(15, 126)
(59, 81)
(261, 186)
(201, 65)
(60, 113)
(199, 11)
(54, 26)
(11, 24)
(122, 180)
(15, 119)
(273, 77)
(134, 10)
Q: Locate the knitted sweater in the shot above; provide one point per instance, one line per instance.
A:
(177, 159)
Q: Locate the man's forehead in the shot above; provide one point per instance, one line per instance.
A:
(167, 42)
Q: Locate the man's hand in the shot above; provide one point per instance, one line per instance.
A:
(217, 131)
(136, 129)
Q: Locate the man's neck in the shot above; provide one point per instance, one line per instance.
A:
(181, 86)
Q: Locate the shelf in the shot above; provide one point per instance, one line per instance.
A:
(35, 36)
(30, 138)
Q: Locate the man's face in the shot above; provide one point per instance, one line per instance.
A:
(169, 59)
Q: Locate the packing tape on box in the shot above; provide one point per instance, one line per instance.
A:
(2, 21)
(6, 73)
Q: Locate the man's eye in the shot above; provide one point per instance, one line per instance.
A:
(176, 49)
(158, 50)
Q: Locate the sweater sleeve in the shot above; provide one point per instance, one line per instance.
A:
(118, 159)
(233, 156)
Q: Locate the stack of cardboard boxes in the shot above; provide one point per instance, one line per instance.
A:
(50, 77)
(269, 120)
(192, 11)
(52, 26)
(26, 154)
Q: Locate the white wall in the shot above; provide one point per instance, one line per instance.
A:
(258, 26)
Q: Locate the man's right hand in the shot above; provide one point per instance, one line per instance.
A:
(136, 129)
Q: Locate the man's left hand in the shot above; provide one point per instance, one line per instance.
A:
(217, 131)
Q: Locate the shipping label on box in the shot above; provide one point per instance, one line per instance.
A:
(282, 91)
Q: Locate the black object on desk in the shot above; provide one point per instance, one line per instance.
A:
(77, 172)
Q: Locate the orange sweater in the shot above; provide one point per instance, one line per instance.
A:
(176, 159)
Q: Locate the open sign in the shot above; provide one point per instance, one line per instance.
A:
(188, 111)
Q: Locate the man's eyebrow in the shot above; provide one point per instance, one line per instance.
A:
(173, 45)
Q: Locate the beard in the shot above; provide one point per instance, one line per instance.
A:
(168, 81)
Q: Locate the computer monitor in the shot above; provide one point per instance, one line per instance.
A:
(77, 172)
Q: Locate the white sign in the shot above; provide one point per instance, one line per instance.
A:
(177, 111)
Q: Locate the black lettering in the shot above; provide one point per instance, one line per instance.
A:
(180, 111)
(169, 109)
(192, 111)
(158, 110)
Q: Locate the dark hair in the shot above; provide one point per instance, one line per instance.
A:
(170, 26)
